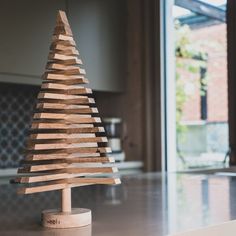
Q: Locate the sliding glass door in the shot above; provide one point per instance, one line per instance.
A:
(196, 84)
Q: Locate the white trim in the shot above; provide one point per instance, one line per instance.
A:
(169, 68)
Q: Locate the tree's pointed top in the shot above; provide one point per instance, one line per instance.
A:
(62, 18)
(62, 24)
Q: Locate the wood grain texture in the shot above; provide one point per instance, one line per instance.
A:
(77, 217)
(75, 182)
(67, 128)
(65, 58)
(41, 157)
(65, 89)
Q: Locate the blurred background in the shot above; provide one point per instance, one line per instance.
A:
(162, 74)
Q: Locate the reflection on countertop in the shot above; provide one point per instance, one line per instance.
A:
(145, 204)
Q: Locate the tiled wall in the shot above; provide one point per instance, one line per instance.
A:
(16, 106)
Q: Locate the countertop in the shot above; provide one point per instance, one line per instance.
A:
(145, 204)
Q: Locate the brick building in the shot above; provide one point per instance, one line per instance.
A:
(212, 40)
(206, 115)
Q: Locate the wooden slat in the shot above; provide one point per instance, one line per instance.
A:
(71, 150)
(66, 59)
(75, 71)
(42, 178)
(66, 89)
(68, 43)
(46, 95)
(83, 119)
(48, 187)
(55, 66)
(40, 157)
(63, 48)
(70, 137)
(72, 71)
(67, 119)
(94, 170)
(67, 168)
(67, 108)
(75, 159)
(68, 82)
(58, 77)
(68, 141)
(53, 146)
(74, 182)
(94, 181)
(63, 136)
(90, 160)
(58, 116)
(43, 168)
(76, 127)
(66, 50)
(62, 37)
(65, 98)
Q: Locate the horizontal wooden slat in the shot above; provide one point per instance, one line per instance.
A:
(44, 188)
(71, 137)
(67, 108)
(47, 177)
(60, 116)
(53, 146)
(94, 170)
(63, 48)
(75, 182)
(58, 56)
(62, 37)
(79, 119)
(65, 89)
(50, 76)
(65, 98)
(68, 82)
(67, 168)
(67, 127)
(75, 71)
(94, 181)
(68, 42)
(68, 141)
(63, 136)
(70, 150)
(43, 168)
(55, 66)
(56, 96)
(39, 157)
(70, 51)
(73, 159)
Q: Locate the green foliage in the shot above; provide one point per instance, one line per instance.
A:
(189, 60)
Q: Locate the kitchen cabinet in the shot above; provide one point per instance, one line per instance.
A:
(99, 30)
(26, 30)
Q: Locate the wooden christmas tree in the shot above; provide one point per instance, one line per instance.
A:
(66, 147)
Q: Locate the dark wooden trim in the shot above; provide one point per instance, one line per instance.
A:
(231, 44)
(152, 86)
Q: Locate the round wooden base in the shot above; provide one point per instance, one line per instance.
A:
(78, 217)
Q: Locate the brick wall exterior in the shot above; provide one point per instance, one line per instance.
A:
(212, 40)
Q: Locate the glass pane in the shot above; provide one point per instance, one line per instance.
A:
(201, 89)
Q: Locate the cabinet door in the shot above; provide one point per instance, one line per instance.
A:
(100, 32)
(26, 30)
